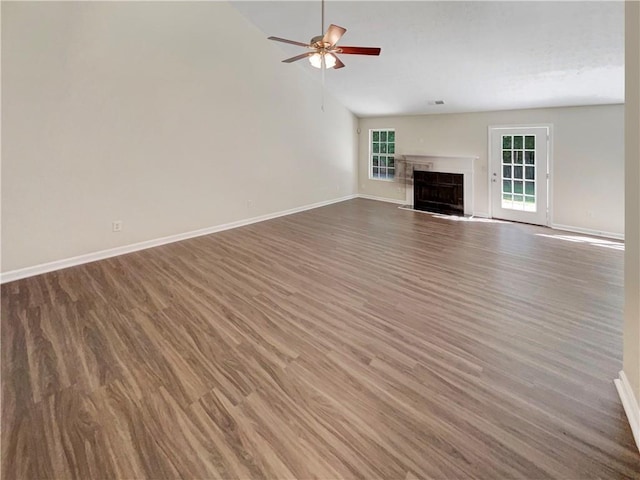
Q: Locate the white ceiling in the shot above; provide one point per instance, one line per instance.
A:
(476, 56)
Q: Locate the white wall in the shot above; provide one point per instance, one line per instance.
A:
(588, 157)
(631, 351)
(168, 116)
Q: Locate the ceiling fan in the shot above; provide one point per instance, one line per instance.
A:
(323, 49)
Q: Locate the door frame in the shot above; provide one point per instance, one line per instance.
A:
(549, 126)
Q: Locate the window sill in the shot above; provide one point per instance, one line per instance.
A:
(382, 179)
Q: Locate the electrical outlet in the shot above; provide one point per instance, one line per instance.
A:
(116, 226)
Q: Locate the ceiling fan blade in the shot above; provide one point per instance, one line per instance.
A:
(292, 42)
(298, 57)
(359, 50)
(339, 63)
(334, 33)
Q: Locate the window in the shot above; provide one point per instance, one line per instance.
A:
(382, 148)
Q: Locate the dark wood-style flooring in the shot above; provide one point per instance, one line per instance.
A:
(352, 341)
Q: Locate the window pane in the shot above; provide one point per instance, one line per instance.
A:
(517, 172)
(529, 199)
(506, 186)
(507, 197)
(506, 157)
(376, 136)
(517, 198)
(383, 172)
(391, 148)
(383, 161)
(506, 141)
(530, 141)
(376, 148)
(530, 158)
(376, 172)
(530, 173)
(517, 157)
(383, 136)
(517, 141)
(390, 162)
(517, 187)
(530, 188)
(506, 171)
(383, 148)
(375, 161)
(390, 172)
(391, 136)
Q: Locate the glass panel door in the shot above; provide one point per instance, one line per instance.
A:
(518, 153)
(519, 173)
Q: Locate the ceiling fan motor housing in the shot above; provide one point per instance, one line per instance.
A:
(317, 42)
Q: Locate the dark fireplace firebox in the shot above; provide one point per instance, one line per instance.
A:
(438, 192)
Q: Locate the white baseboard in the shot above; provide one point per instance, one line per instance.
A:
(382, 199)
(630, 404)
(113, 252)
(587, 231)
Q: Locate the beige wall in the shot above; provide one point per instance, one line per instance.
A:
(588, 157)
(168, 116)
(632, 178)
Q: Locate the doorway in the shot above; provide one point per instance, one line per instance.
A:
(519, 173)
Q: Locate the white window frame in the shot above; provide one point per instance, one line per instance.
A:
(371, 154)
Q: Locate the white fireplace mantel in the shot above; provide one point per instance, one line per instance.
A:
(439, 163)
(417, 158)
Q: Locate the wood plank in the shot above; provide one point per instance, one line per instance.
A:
(351, 341)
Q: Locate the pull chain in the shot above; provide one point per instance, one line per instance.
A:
(323, 66)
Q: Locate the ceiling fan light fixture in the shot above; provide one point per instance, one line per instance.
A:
(329, 60)
(316, 60)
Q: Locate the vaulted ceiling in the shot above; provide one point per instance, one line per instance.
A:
(475, 56)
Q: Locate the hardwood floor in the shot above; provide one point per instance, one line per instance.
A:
(351, 341)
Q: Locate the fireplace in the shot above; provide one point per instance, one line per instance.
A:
(407, 165)
(438, 192)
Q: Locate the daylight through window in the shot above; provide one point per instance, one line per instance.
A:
(382, 147)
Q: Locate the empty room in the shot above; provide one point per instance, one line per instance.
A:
(320, 239)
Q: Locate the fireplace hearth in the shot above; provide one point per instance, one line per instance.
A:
(438, 192)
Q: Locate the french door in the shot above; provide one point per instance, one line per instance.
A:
(519, 173)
